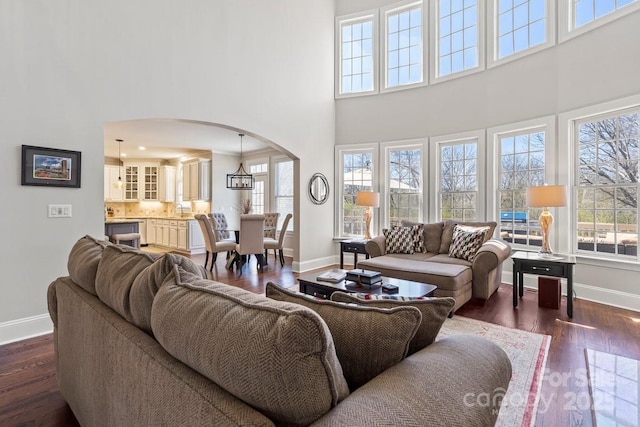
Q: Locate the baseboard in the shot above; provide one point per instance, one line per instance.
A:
(20, 329)
(610, 297)
(301, 267)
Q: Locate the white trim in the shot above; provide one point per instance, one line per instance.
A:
(351, 19)
(28, 327)
(385, 147)
(434, 170)
(434, 44)
(396, 8)
(492, 35)
(313, 264)
(599, 295)
(566, 31)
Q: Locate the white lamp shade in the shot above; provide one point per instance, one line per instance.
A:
(368, 198)
(546, 196)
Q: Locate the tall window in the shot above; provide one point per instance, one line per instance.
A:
(522, 165)
(586, 11)
(607, 183)
(284, 191)
(404, 184)
(458, 44)
(356, 59)
(357, 175)
(521, 25)
(259, 193)
(458, 180)
(404, 45)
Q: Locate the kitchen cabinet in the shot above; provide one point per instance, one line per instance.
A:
(182, 235)
(167, 184)
(196, 180)
(173, 234)
(151, 231)
(196, 238)
(143, 232)
(150, 182)
(131, 181)
(111, 193)
(165, 232)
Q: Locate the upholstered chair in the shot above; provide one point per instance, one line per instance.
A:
(270, 224)
(277, 245)
(251, 238)
(221, 227)
(212, 245)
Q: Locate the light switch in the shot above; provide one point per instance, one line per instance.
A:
(59, 211)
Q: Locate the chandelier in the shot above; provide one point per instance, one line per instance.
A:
(240, 179)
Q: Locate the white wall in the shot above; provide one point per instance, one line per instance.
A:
(68, 67)
(593, 68)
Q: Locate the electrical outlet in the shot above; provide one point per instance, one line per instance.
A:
(59, 211)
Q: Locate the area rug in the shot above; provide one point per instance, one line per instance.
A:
(615, 389)
(528, 354)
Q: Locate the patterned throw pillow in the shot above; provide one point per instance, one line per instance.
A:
(418, 239)
(466, 241)
(399, 240)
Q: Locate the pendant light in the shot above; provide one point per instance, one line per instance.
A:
(240, 179)
(119, 183)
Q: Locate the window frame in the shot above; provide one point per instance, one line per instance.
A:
(566, 29)
(492, 44)
(434, 171)
(385, 192)
(274, 190)
(384, 70)
(340, 150)
(494, 134)
(434, 43)
(348, 20)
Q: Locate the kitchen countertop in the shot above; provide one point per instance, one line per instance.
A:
(116, 219)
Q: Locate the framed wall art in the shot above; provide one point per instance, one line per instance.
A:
(50, 167)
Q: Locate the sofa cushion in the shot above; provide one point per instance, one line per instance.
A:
(118, 268)
(83, 262)
(368, 339)
(399, 240)
(148, 281)
(447, 232)
(466, 241)
(275, 356)
(434, 312)
(432, 234)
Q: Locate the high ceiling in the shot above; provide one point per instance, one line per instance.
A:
(171, 139)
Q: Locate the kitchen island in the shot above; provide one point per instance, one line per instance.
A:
(120, 226)
(179, 234)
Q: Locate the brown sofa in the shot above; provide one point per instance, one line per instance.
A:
(146, 340)
(454, 277)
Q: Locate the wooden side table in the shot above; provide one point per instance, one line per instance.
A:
(533, 263)
(355, 247)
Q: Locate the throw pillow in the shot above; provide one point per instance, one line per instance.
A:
(434, 312)
(368, 339)
(466, 241)
(275, 356)
(418, 239)
(449, 226)
(399, 240)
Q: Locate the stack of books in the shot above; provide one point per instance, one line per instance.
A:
(364, 277)
(333, 276)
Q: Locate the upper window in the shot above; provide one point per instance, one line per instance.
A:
(458, 36)
(578, 16)
(284, 190)
(607, 183)
(586, 11)
(356, 59)
(403, 45)
(404, 183)
(520, 27)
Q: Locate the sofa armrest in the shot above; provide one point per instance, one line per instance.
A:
(446, 383)
(487, 267)
(376, 246)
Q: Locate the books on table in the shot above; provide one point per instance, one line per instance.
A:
(334, 276)
(364, 277)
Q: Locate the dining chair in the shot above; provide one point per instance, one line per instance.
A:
(271, 224)
(277, 245)
(212, 244)
(251, 238)
(221, 227)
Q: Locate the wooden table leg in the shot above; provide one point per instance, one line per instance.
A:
(515, 284)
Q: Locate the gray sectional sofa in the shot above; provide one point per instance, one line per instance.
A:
(454, 277)
(147, 340)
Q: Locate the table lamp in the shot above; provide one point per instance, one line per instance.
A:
(370, 199)
(546, 196)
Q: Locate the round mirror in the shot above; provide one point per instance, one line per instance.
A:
(318, 189)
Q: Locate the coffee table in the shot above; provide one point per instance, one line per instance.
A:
(406, 288)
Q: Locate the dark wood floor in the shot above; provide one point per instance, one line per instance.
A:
(29, 396)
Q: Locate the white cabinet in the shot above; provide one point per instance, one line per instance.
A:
(196, 239)
(165, 232)
(151, 231)
(142, 229)
(173, 234)
(167, 184)
(111, 193)
(131, 183)
(150, 181)
(182, 235)
(196, 180)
